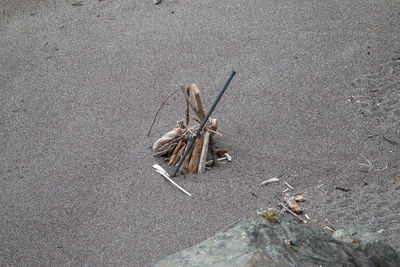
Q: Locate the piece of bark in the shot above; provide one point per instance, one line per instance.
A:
(196, 94)
(221, 151)
(194, 159)
(174, 154)
(293, 205)
(204, 152)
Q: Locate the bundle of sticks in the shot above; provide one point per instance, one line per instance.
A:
(174, 143)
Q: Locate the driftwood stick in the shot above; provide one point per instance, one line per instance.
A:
(204, 152)
(214, 125)
(191, 105)
(173, 159)
(210, 162)
(158, 111)
(199, 103)
(168, 146)
(164, 152)
(291, 212)
(185, 164)
(179, 155)
(194, 160)
(187, 107)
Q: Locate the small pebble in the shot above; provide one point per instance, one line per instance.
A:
(156, 2)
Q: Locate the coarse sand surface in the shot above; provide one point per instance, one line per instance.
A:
(315, 102)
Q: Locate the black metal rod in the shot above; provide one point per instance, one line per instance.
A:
(203, 123)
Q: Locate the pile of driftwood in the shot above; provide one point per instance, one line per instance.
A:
(174, 143)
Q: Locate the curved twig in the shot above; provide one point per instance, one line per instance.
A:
(158, 111)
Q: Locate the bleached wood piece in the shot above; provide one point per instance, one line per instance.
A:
(171, 135)
(204, 152)
(228, 157)
(299, 198)
(288, 185)
(210, 162)
(161, 171)
(270, 181)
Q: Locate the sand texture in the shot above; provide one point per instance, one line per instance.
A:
(80, 82)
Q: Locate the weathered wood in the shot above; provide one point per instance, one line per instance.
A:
(204, 153)
(221, 151)
(178, 155)
(291, 202)
(185, 163)
(196, 93)
(299, 198)
(270, 181)
(214, 126)
(194, 159)
(171, 135)
(176, 150)
(187, 108)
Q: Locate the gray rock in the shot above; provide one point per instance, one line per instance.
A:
(362, 239)
(283, 241)
(156, 2)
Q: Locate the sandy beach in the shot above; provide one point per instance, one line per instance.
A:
(315, 102)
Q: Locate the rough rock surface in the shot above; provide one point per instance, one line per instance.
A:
(284, 241)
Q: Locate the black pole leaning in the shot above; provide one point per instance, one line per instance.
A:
(203, 123)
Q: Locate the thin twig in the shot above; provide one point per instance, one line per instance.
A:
(158, 111)
(215, 132)
(330, 224)
(187, 107)
(193, 107)
(370, 166)
(390, 141)
(285, 208)
(288, 185)
(342, 188)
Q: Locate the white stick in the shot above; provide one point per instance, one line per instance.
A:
(228, 157)
(161, 171)
(220, 159)
(272, 180)
(288, 185)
